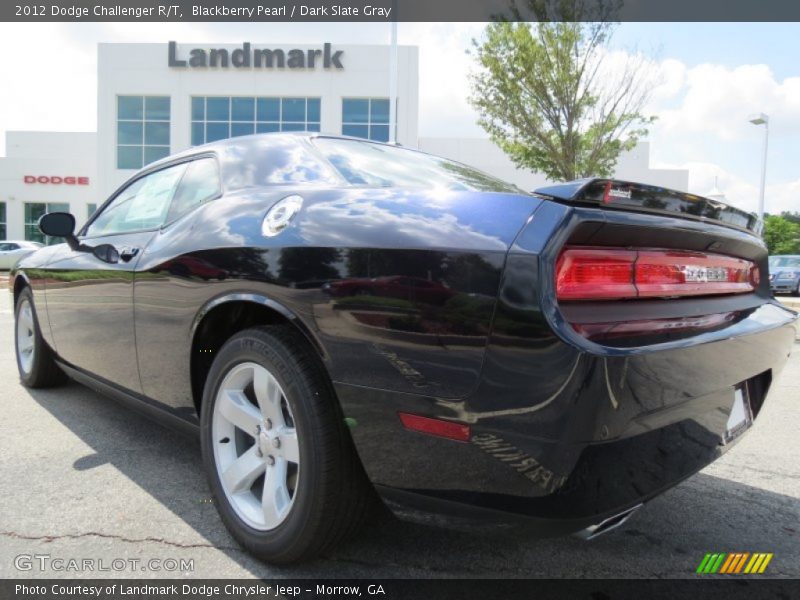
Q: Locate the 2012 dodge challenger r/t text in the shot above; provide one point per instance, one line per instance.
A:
(337, 317)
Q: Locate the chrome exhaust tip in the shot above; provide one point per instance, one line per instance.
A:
(606, 525)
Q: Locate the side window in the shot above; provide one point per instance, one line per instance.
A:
(4, 247)
(141, 205)
(12, 247)
(200, 184)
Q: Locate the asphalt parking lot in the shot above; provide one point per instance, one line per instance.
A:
(85, 478)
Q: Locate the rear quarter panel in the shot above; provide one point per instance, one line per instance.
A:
(430, 343)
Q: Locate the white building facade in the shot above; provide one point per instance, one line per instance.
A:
(157, 99)
(483, 154)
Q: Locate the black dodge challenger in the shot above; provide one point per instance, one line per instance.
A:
(337, 317)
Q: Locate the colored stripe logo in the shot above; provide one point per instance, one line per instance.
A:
(734, 563)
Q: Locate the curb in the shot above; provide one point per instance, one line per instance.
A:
(793, 304)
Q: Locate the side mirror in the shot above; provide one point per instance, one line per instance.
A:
(106, 253)
(57, 224)
(61, 224)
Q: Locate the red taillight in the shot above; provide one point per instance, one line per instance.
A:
(607, 274)
(595, 274)
(437, 427)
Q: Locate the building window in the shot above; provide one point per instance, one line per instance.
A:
(220, 117)
(33, 211)
(366, 118)
(142, 130)
(2, 220)
(91, 208)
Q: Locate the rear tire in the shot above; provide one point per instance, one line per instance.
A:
(796, 291)
(35, 360)
(280, 462)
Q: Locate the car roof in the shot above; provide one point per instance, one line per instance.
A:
(241, 144)
(243, 141)
(231, 152)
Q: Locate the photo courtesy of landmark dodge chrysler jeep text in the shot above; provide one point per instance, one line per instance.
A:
(338, 317)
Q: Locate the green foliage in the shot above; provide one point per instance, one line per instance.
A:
(468, 315)
(792, 216)
(545, 99)
(305, 264)
(406, 323)
(781, 235)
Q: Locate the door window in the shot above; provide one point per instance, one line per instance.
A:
(141, 206)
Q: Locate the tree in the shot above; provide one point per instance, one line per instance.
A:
(792, 216)
(547, 99)
(301, 265)
(781, 235)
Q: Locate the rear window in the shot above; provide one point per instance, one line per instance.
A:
(784, 261)
(379, 165)
(273, 160)
(199, 184)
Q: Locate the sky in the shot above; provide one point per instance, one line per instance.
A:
(710, 77)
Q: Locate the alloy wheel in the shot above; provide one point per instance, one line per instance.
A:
(26, 336)
(255, 443)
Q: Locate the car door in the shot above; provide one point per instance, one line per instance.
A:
(171, 284)
(89, 301)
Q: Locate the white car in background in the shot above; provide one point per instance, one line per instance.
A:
(11, 251)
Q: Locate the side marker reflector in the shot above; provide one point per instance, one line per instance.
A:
(437, 427)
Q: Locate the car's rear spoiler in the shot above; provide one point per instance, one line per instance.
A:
(626, 195)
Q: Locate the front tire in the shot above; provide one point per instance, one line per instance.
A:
(279, 460)
(35, 361)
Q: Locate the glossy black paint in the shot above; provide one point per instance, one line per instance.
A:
(564, 429)
(627, 195)
(90, 310)
(568, 431)
(340, 235)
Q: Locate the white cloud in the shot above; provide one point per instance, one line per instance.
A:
(52, 84)
(717, 100)
(33, 93)
(672, 75)
(703, 127)
(444, 68)
(783, 196)
(739, 192)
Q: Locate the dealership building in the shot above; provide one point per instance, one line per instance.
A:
(157, 99)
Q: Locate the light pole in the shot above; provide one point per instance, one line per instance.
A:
(762, 119)
(393, 83)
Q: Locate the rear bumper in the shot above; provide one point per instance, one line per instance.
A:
(563, 437)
